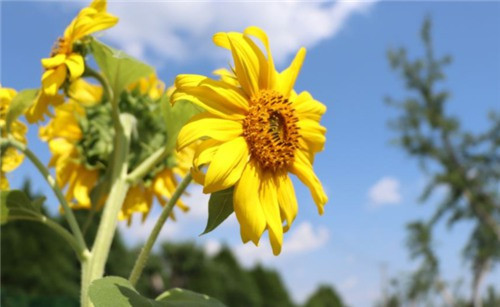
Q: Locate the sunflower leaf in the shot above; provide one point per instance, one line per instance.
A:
(119, 68)
(176, 117)
(220, 206)
(15, 204)
(180, 297)
(117, 291)
(23, 100)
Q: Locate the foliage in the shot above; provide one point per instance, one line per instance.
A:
(465, 164)
(325, 296)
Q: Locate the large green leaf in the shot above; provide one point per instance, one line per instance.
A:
(23, 100)
(15, 204)
(117, 291)
(220, 206)
(176, 117)
(119, 68)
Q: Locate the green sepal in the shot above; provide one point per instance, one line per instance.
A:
(220, 207)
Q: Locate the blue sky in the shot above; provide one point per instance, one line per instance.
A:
(373, 186)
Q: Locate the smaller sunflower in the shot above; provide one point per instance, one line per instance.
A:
(11, 158)
(64, 60)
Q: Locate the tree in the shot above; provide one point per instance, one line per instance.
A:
(324, 296)
(467, 164)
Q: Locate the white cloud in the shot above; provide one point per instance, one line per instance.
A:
(303, 239)
(349, 283)
(385, 192)
(159, 31)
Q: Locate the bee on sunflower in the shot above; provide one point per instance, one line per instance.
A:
(256, 131)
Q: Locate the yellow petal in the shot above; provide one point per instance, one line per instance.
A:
(75, 64)
(286, 199)
(205, 125)
(99, 5)
(267, 75)
(52, 79)
(269, 201)
(313, 134)
(307, 107)
(286, 79)
(203, 155)
(216, 97)
(85, 93)
(247, 205)
(53, 61)
(246, 61)
(227, 165)
(302, 168)
(84, 184)
(227, 76)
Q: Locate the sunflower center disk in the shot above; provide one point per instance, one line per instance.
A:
(270, 129)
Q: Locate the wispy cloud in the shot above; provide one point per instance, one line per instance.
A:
(160, 31)
(385, 191)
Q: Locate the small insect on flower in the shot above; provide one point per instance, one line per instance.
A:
(255, 131)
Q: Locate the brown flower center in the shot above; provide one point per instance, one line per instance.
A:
(60, 47)
(270, 129)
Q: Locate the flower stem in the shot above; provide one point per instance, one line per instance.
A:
(68, 213)
(65, 234)
(94, 268)
(146, 165)
(141, 261)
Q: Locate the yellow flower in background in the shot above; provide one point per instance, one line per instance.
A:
(151, 86)
(63, 134)
(11, 158)
(140, 197)
(256, 130)
(64, 60)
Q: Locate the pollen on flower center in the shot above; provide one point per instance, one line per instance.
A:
(270, 129)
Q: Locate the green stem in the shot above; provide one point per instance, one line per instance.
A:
(65, 234)
(140, 263)
(108, 93)
(146, 165)
(68, 213)
(94, 268)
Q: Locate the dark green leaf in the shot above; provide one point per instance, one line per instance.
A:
(180, 297)
(117, 291)
(16, 203)
(220, 206)
(176, 117)
(119, 68)
(23, 100)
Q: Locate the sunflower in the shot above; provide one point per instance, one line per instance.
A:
(11, 158)
(255, 131)
(64, 59)
(79, 137)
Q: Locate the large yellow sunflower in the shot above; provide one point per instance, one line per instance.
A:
(11, 158)
(256, 130)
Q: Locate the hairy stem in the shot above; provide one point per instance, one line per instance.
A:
(141, 261)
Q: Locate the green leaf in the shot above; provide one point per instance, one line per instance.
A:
(119, 68)
(176, 117)
(117, 291)
(15, 203)
(220, 206)
(23, 100)
(180, 297)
